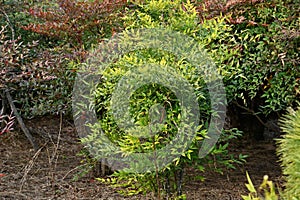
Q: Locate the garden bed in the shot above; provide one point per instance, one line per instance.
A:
(49, 173)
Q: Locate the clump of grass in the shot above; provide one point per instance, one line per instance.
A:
(288, 150)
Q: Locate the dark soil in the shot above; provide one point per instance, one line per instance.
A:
(49, 173)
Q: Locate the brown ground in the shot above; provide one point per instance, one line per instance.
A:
(48, 173)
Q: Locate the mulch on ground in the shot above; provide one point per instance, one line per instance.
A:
(49, 173)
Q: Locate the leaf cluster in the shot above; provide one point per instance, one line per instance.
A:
(6, 122)
(81, 23)
(268, 188)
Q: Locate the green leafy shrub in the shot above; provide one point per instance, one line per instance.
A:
(177, 16)
(288, 150)
(255, 47)
(258, 57)
(264, 73)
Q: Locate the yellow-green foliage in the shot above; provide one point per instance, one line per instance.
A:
(267, 187)
(289, 151)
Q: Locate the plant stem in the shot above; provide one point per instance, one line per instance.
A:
(156, 168)
(19, 118)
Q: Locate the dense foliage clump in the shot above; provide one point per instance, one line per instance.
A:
(80, 23)
(289, 153)
(179, 17)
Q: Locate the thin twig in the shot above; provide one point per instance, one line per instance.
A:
(29, 166)
(78, 167)
(3, 109)
(57, 143)
(253, 113)
(13, 194)
(156, 168)
(54, 154)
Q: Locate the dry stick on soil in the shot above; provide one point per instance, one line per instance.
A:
(51, 171)
(29, 166)
(13, 194)
(19, 118)
(78, 167)
(57, 143)
(54, 154)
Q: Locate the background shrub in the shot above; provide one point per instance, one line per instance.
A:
(265, 71)
(61, 31)
(77, 23)
(35, 78)
(259, 60)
